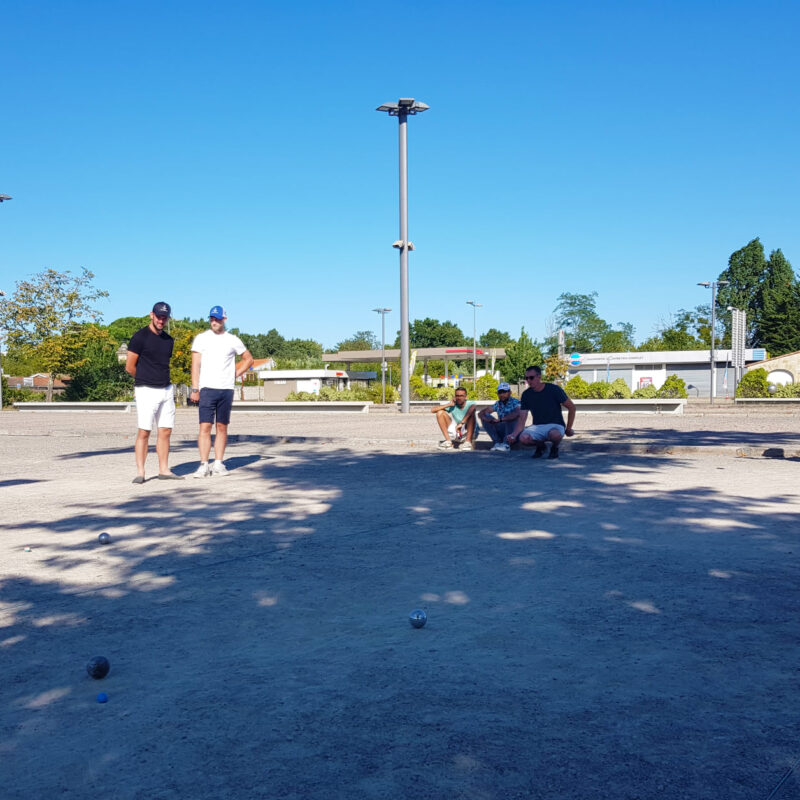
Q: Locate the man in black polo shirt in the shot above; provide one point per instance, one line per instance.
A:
(149, 354)
(544, 401)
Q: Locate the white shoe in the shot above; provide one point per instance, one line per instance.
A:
(503, 447)
(203, 471)
(219, 468)
(446, 445)
(497, 447)
(466, 446)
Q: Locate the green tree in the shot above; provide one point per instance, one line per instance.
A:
(686, 330)
(100, 376)
(520, 355)
(495, 338)
(779, 320)
(360, 340)
(745, 272)
(618, 341)
(577, 315)
(123, 328)
(48, 315)
(432, 333)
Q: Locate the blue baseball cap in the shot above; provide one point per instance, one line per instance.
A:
(218, 312)
(503, 387)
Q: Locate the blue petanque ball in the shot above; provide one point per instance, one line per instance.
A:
(102, 697)
(417, 618)
(104, 538)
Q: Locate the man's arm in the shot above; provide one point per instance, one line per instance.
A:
(436, 409)
(130, 363)
(242, 366)
(196, 359)
(570, 406)
(520, 426)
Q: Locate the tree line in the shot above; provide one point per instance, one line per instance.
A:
(51, 325)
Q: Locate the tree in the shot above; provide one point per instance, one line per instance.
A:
(685, 330)
(495, 338)
(48, 315)
(745, 271)
(432, 333)
(577, 315)
(123, 328)
(360, 340)
(618, 341)
(520, 355)
(779, 320)
(100, 376)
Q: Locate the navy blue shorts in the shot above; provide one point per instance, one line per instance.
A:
(216, 403)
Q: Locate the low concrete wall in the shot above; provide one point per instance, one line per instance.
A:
(657, 406)
(321, 407)
(768, 401)
(124, 407)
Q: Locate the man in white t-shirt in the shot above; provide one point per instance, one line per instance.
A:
(214, 373)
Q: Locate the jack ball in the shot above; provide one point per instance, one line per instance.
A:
(98, 667)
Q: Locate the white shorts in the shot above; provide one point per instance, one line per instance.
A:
(451, 429)
(155, 406)
(539, 432)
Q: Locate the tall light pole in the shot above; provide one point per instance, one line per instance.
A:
(475, 307)
(713, 285)
(2, 294)
(383, 312)
(401, 109)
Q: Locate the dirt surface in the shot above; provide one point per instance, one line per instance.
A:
(621, 623)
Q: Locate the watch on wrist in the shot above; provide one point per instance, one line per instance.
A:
(194, 389)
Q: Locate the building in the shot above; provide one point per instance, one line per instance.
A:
(652, 368)
(277, 384)
(781, 369)
(38, 382)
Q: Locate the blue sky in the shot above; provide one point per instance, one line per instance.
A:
(208, 153)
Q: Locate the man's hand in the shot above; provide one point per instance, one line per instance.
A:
(510, 439)
(569, 432)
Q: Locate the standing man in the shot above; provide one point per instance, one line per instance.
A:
(544, 401)
(149, 353)
(456, 420)
(214, 374)
(508, 410)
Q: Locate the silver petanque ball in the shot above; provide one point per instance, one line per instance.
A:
(104, 538)
(417, 618)
(772, 388)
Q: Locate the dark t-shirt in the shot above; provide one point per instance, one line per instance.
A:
(545, 405)
(154, 351)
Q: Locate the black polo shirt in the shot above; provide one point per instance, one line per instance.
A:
(154, 351)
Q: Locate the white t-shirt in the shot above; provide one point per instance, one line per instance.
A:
(218, 362)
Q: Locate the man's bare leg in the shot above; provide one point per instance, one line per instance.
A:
(204, 441)
(162, 449)
(443, 418)
(140, 450)
(220, 441)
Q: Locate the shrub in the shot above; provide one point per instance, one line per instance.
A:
(486, 388)
(420, 390)
(577, 388)
(620, 389)
(600, 390)
(646, 393)
(19, 395)
(299, 397)
(788, 390)
(375, 393)
(673, 387)
(753, 384)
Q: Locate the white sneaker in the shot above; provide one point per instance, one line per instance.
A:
(466, 446)
(503, 447)
(446, 445)
(497, 446)
(203, 471)
(219, 468)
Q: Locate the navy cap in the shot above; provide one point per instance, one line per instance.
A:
(162, 310)
(218, 312)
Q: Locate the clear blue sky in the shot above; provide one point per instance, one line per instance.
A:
(231, 153)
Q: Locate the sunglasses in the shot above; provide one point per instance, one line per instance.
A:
(530, 377)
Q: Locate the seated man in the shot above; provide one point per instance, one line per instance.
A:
(508, 411)
(457, 421)
(544, 401)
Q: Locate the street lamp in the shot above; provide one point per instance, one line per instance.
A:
(475, 307)
(713, 285)
(383, 312)
(401, 109)
(2, 294)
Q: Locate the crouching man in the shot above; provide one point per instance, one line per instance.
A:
(544, 401)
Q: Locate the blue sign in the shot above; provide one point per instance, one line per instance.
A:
(576, 362)
(575, 356)
(759, 354)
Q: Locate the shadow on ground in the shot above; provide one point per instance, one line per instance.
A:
(593, 633)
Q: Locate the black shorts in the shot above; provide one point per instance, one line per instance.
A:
(216, 403)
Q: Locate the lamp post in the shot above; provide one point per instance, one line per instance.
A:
(404, 107)
(713, 285)
(475, 307)
(2, 294)
(383, 312)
